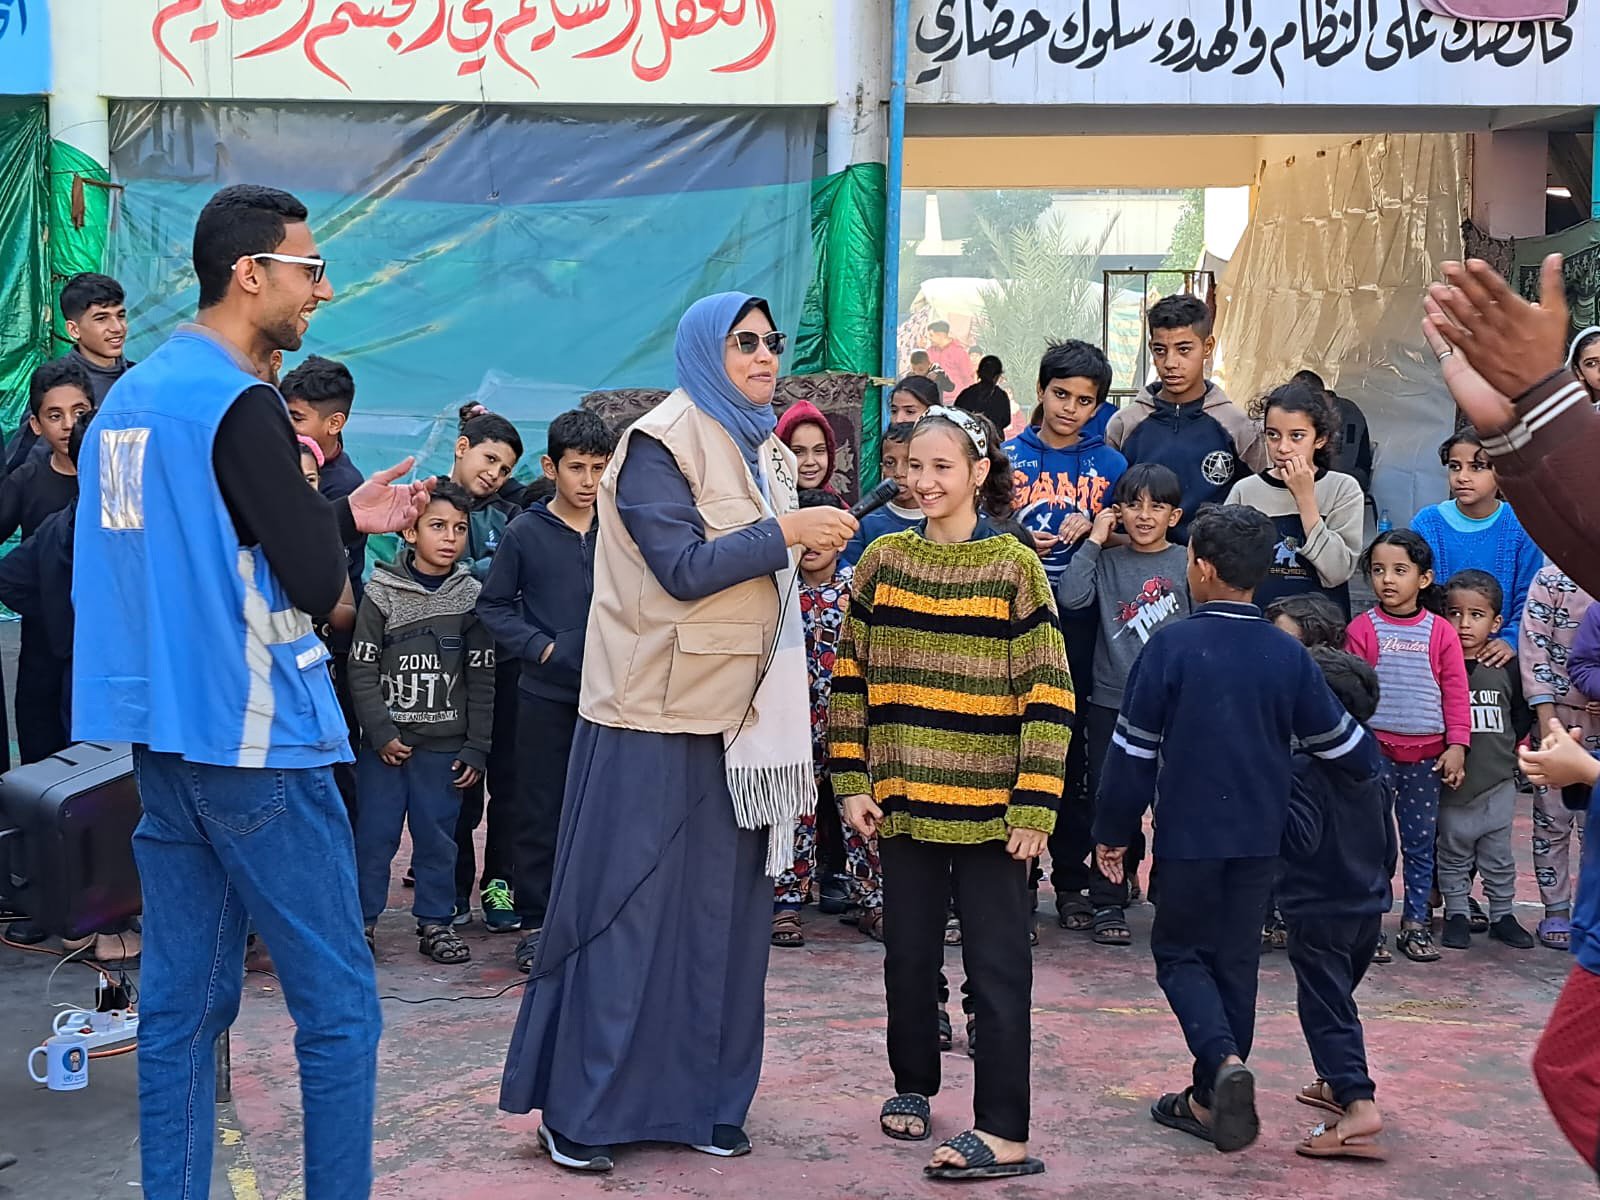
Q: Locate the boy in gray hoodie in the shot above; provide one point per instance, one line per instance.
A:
(1137, 588)
(422, 676)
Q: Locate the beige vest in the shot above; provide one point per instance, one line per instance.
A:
(655, 663)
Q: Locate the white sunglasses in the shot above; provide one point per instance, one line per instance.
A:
(319, 267)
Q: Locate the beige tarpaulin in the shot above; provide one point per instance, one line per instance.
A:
(1330, 276)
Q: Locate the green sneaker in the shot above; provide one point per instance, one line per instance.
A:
(498, 913)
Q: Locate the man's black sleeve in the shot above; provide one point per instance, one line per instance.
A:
(258, 469)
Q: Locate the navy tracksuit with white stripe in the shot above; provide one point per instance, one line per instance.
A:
(1211, 709)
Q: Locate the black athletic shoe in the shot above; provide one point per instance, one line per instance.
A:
(575, 1156)
(727, 1141)
(1457, 933)
(26, 932)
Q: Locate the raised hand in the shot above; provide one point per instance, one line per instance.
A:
(380, 505)
(1511, 343)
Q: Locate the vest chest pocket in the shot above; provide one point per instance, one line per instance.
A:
(715, 665)
(724, 514)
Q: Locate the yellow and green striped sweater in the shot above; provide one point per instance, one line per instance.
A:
(951, 700)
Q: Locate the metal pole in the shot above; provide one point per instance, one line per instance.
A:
(224, 1068)
(898, 53)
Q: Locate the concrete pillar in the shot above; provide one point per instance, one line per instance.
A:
(858, 123)
(79, 115)
(1510, 169)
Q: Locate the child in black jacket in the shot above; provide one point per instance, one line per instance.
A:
(1339, 854)
(536, 603)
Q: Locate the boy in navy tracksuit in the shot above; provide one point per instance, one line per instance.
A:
(1210, 709)
(1339, 854)
(536, 603)
(1184, 421)
(1062, 478)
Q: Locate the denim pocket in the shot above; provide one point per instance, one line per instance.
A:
(238, 800)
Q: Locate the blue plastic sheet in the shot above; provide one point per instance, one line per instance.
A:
(518, 256)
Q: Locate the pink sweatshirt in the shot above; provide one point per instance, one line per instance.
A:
(1424, 705)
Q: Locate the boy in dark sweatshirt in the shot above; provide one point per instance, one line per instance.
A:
(536, 604)
(320, 394)
(1339, 855)
(1133, 590)
(1185, 421)
(486, 452)
(59, 395)
(422, 673)
(1062, 478)
(1207, 719)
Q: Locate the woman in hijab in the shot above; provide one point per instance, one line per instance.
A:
(643, 1016)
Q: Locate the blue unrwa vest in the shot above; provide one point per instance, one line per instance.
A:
(185, 641)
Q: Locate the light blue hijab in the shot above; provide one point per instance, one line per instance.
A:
(702, 341)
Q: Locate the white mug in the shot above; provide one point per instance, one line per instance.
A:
(66, 1063)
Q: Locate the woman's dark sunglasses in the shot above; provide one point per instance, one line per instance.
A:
(747, 341)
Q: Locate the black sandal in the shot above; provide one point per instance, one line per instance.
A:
(1074, 912)
(972, 1037)
(1417, 945)
(1477, 919)
(1111, 928)
(980, 1162)
(907, 1104)
(442, 944)
(952, 932)
(1173, 1111)
(947, 1037)
(1381, 956)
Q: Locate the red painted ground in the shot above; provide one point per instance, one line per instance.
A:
(1449, 1044)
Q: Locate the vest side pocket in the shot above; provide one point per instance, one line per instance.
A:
(715, 665)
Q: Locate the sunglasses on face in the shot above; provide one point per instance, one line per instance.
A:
(316, 266)
(747, 341)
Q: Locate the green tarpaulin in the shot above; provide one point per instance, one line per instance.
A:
(24, 271)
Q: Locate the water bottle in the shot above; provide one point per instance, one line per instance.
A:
(1384, 524)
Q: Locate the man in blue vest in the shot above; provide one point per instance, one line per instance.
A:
(199, 553)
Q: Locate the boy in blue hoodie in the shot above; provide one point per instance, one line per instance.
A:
(1184, 421)
(1062, 478)
(1339, 854)
(536, 603)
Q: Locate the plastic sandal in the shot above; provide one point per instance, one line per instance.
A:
(1111, 928)
(786, 930)
(1173, 1111)
(980, 1162)
(1324, 1142)
(1477, 919)
(907, 1104)
(1556, 933)
(1417, 945)
(442, 944)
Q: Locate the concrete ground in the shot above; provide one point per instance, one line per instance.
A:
(1449, 1045)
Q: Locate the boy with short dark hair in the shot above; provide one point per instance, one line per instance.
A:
(59, 395)
(1133, 590)
(1219, 824)
(1339, 856)
(901, 512)
(319, 394)
(1475, 818)
(536, 604)
(486, 452)
(1185, 421)
(422, 672)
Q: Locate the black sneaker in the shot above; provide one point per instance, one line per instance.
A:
(575, 1156)
(833, 896)
(26, 932)
(1507, 930)
(1457, 933)
(727, 1141)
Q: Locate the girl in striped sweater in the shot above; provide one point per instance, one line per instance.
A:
(948, 736)
(1424, 718)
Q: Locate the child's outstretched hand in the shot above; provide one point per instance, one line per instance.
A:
(1109, 860)
(1104, 524)
(1024, 844)
(1561, 762)
(1451, 768)
(465, 776)
(1496, 653)
(862, 814)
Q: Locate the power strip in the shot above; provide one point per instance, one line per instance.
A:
(98, 1029)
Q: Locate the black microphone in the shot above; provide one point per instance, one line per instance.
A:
(875, 499)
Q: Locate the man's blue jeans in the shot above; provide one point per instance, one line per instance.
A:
(219, 848)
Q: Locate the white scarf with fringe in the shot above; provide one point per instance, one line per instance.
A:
(768, 756)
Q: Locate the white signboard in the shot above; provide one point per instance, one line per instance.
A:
(1232, 52)
(704, 52)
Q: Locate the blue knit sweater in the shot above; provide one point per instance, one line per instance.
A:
(1497, 544)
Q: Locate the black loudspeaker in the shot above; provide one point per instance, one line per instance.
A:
(66, 839)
